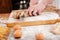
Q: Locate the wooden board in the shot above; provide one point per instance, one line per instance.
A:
(34, 23)
(5, 6)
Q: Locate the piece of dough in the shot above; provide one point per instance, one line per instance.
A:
(4, 32)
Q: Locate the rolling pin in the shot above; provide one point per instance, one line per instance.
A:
(34, 23)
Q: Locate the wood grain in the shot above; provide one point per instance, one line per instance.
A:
(34, 23)
(5, 6)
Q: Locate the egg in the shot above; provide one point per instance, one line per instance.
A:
(39, 36)
(17, 34)
(17, 27)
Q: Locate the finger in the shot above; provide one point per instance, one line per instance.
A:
(39, 12)
(26, 13)
(30, 12)
(35, 12)
(29, 9)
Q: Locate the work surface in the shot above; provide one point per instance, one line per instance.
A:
(28, 33)
(48, 8)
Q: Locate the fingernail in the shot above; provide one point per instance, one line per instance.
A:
(37, 13)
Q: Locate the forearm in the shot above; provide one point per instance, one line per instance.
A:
(45, 2)
(33, 2)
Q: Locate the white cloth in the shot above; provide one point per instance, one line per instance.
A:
(55, 3)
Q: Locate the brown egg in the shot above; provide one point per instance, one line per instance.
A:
(17, 27)
(17, 34)
(39, 36)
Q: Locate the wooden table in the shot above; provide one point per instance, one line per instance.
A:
(4, 15)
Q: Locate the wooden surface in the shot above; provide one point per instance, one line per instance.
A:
(4, 15)
(34, 23)
(5, 6)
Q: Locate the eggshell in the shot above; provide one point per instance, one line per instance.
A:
(39, 36)
(17, 27)
(17, 34)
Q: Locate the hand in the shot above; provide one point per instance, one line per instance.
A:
(36, 9)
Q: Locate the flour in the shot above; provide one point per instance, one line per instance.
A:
(28, 32)
(43, 16)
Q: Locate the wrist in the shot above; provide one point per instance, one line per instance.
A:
(46, 2)
(34, 2)
(31, 4)
(41, 5)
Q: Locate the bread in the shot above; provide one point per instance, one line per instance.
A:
(16, 14)
(4, 32)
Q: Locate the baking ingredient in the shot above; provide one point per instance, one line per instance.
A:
(17, 27)
(39, 36)
(43, 16)
(4, 32)
(17, 34)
